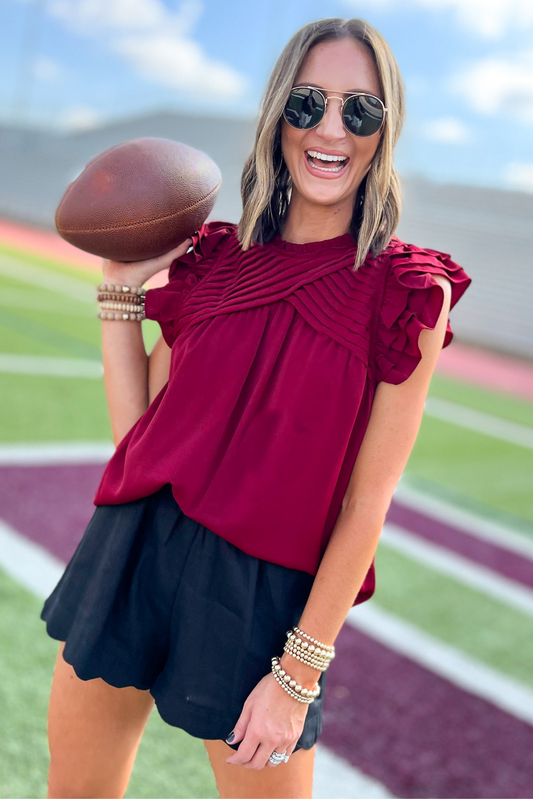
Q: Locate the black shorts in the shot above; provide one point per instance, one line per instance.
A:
(155, 600)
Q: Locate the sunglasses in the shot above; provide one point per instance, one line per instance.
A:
(362, 114)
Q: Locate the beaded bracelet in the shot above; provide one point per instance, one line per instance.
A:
(316, 655)
(121, 317)
(313, 640)
(119, 289)
(303, 695)
(120, 306)
(308, 650)
(315, 649)
(305, 647)
(114, 296)
(320, 664)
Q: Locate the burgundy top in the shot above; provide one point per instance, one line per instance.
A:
(276, 354)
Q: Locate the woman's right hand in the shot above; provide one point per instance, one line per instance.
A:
(136, 273)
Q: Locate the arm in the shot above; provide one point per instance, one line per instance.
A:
(391, 433)
(125, 374)
(130, 376)
(392, 429)
(158, 368)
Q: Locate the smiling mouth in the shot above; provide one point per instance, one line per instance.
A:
(326, 163)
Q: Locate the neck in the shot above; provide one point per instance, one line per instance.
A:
(306, 222)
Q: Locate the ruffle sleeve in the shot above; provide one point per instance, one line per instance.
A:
(163, 304)
(411, 302)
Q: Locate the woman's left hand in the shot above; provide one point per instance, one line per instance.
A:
(270, 720)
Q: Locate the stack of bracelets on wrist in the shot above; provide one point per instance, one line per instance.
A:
(308, 651)
(293, 689)
(121, 303)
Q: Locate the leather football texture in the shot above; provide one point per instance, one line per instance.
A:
(138, 199)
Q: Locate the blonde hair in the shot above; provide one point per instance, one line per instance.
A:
(266, 183)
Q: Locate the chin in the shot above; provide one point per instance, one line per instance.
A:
(326, 192)
(324, 197)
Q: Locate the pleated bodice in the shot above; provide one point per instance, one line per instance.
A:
(276, 355)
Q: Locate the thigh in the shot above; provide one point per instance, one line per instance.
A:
(94, 731)
(292, 780)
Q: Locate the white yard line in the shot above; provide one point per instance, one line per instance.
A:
(50, 366)
(36, 570)
(28, 563)
(56, 453)
(459, 568)
(334, 778)
(67, 285)
(466, 521)
(443, 659)
(480, 422)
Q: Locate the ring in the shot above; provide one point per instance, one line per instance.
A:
(278, 757)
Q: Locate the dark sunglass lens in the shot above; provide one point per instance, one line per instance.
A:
(363, 115)
(304, 109)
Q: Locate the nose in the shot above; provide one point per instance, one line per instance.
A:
(331, 127)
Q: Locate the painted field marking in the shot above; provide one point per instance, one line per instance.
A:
(39, 572)
(479, 422)
(28, 563)
(459, 568)
(51, 454)
(50, 366)
(334, 777)
(72, 287)
(446, 661)
(463, 520)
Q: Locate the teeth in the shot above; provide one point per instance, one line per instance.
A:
(324, 157)
(329, 168)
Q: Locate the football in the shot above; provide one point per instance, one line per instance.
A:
(138, 199)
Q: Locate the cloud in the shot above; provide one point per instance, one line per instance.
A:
(447, 130)
(490, 19)
(181, 64)
(47, 69)
(519, 176)
(80, 117)
(494, 85)
(85, 15)
(155, 41)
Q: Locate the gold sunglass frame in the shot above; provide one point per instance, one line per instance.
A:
(331, 96)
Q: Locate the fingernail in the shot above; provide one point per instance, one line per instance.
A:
(231, 737)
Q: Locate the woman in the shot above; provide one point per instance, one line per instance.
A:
(258, 446)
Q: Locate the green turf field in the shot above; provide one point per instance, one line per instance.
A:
(50, 310)
(474, 623)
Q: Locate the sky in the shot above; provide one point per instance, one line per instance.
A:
(467, 67)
